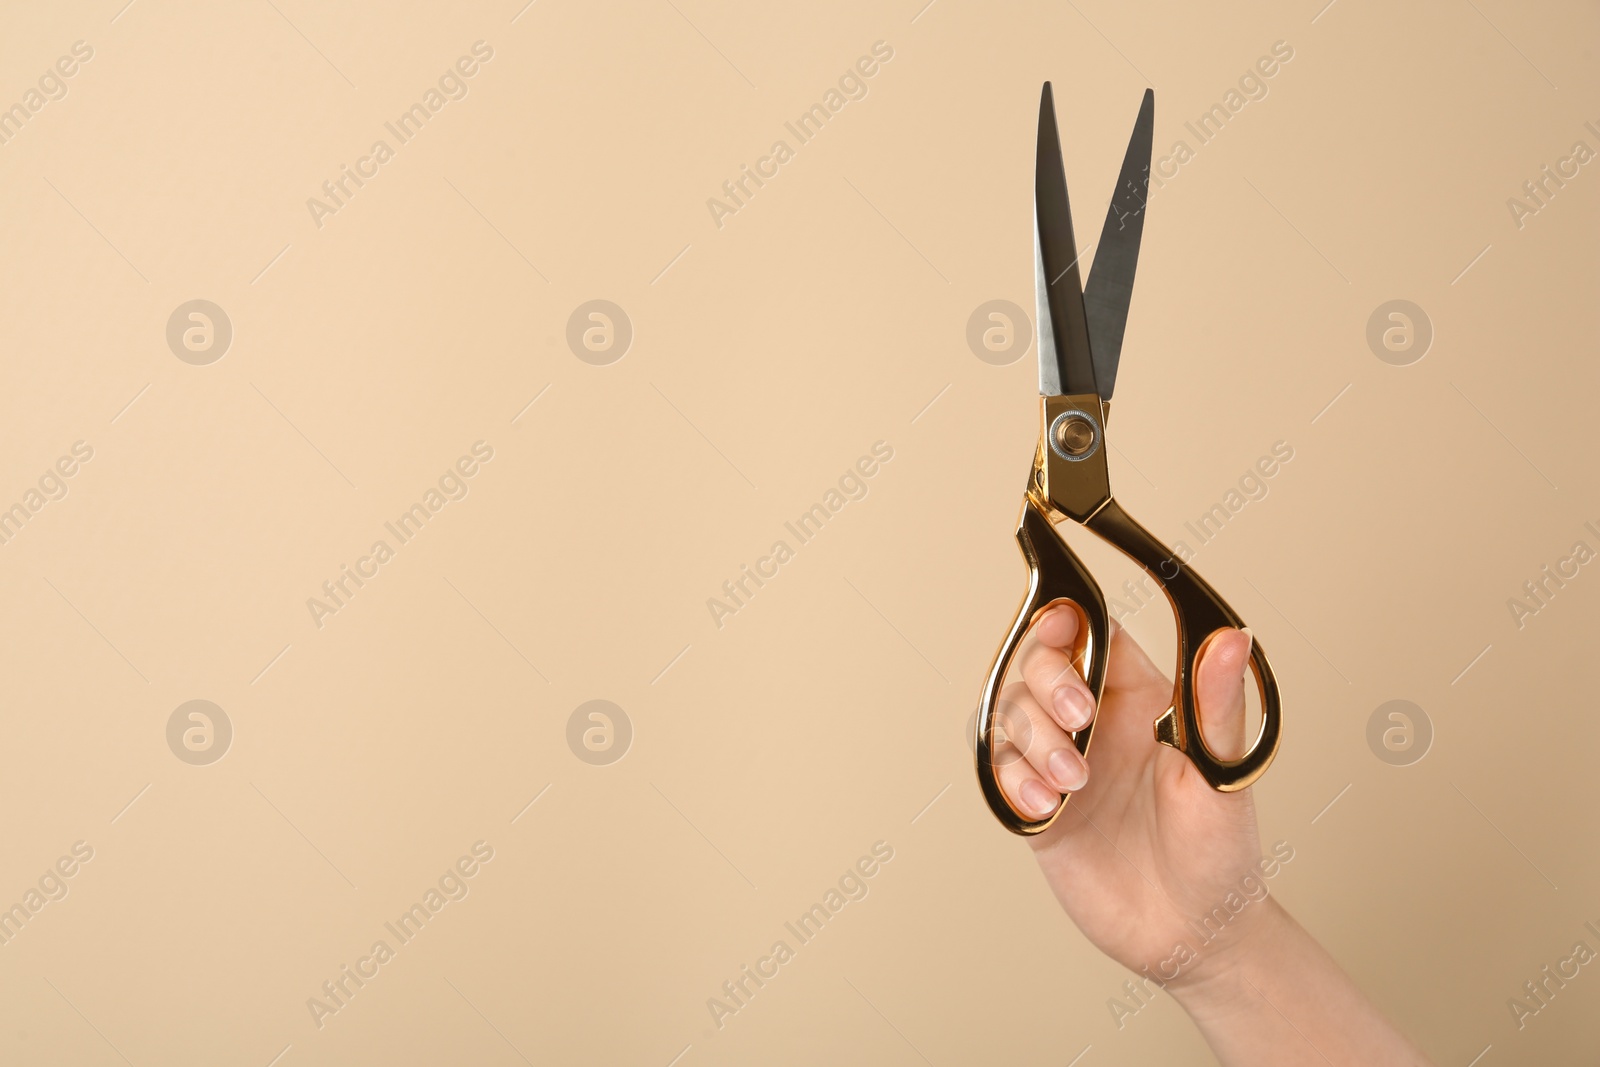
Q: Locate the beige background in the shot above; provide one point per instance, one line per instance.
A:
(829, 313)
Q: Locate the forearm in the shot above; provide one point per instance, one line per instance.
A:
(1279, 999)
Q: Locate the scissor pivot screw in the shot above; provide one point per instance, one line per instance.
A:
(1073, 436)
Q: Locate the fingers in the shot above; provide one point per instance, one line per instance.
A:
(1055, 702)
(1132, 682)
(1048, 669)
(1219, 691)
(1059, 626)
(1130, 670)
(1038, 761)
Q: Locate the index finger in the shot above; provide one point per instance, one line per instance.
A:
(1058, 627)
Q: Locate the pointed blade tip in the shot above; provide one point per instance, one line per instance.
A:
(1109, 287)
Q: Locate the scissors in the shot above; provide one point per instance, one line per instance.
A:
(1080, 344)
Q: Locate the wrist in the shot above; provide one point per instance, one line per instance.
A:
(1228, 973)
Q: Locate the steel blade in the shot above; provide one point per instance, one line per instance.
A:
(1110, 288)
(1065, 363)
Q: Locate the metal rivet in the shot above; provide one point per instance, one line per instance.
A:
(1075, 434)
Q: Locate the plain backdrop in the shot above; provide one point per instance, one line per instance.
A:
(377, 339)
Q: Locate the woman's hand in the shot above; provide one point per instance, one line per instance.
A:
(1145, 846)
(1147, 851)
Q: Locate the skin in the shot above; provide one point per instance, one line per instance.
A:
(1146, 846)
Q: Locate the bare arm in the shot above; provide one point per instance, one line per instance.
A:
(1147, 850)
(1283, 1000)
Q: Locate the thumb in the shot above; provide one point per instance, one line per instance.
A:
(1219, 691)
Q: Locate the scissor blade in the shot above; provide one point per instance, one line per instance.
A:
(1110, 287)
(1065, 364)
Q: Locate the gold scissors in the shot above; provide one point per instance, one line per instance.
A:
(1080, 345)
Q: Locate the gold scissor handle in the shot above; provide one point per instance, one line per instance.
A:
(1199, 611)
(1054, 574)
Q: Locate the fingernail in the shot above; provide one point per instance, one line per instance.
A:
(1250, 641)
(1037, 799)
(1068, 769)
(1074, 707)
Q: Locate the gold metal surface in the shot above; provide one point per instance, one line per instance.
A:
(1069, 480)
(1198, 611)
(1055, 574)
(1078, 486)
